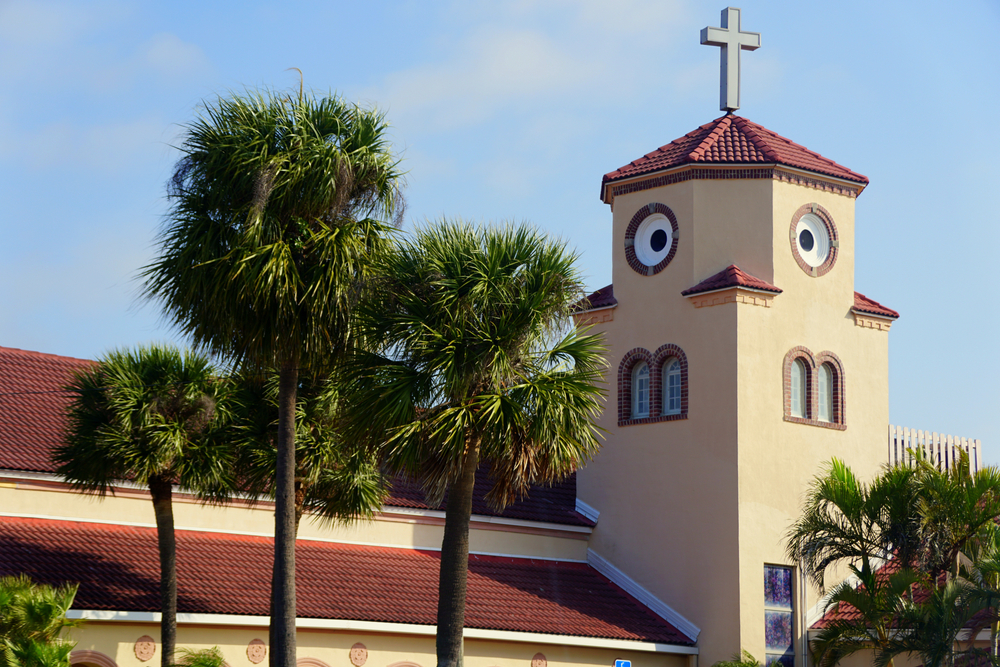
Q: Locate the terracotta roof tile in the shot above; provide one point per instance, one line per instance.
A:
(865, 305)
(732, 140)
(32, 407)
(602, 298)
(118, 569)
(731, 276)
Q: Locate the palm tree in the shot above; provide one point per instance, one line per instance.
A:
(277, 203)
(476, 368)
(32, 616)
(148, 416)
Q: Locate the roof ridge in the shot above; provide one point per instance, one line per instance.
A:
(818, 156)
(759, 142)
(721, 125)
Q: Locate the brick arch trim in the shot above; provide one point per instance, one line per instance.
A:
(310, 662)
(88, 657)
(404, 663)
(655, 362)
(663, 354)
(831, 230)
(633, 226)
(632, 358)
(813, 362)
(839, 416)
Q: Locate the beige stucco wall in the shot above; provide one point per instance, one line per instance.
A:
(116, 640)
(693, 509)
(390, 529)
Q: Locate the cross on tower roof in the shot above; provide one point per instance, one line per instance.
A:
(729, 35)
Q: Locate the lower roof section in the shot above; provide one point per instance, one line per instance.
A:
(117, 568)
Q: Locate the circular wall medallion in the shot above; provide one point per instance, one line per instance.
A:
(813, 238)
(256, 651)
(145, 648)
(539, 660)
(651, 239)
(359, 654)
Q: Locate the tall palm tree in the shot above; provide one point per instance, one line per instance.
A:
(477, 368)
(148, 416)
(277, 203)
(32, 617)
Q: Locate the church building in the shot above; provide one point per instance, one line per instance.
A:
(741, 359)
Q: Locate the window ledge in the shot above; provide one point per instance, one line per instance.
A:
(652, 420)
(815, 422)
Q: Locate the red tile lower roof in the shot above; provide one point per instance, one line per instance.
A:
(865, 305)
(731, 276)
(602, 298)
(118, 569)
(32, 407)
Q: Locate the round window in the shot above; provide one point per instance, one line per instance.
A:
(653, 239)
(813, 240)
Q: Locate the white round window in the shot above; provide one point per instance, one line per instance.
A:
(653, 239)
(812, 240)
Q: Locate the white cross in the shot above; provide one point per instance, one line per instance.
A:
(729, 35)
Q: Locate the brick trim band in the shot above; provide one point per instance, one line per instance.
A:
(831, 230)
(633, 226)
(838, 420)
(656, 362)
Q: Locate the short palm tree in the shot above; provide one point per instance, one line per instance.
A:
(148, 416)
(277, 204)
(32, 616)
(477, 368)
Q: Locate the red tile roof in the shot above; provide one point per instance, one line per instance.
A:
(32, 406)
(865, 305)
(732, 140)
(731, 276)
(118, 569)
(602, 298)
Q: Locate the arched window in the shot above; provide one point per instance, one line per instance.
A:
(825, 408)
(799, 407)
(672, 387)
(640, 391)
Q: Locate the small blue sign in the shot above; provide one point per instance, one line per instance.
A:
(623, 663)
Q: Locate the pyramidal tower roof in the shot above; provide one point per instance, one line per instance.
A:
(731, 140)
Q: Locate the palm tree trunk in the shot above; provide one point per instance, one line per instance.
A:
(161, 489)
(300, 501)
(282, 628)
(453, 579)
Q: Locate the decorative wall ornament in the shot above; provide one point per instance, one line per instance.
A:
(256, 651)
(359, 654)
(539, 660)
(145, 648)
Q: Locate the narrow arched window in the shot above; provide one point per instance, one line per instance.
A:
(672, 387)
(825, 393)
(640, 391)
(798, 389)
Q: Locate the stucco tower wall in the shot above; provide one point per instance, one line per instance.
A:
(667, 491)
(777, 458)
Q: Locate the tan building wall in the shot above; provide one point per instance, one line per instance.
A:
(116, 640)
(694, 509)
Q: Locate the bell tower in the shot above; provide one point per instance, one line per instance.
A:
(741, 360)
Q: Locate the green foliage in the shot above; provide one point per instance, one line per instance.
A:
(31, 619)
(275, 206)
(334, 480)
(929, 521)
(207, 657)
(146, 414)
(475, 353)
(741, 659)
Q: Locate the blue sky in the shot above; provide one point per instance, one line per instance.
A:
(514, 111)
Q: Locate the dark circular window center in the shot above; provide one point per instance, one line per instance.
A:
(806, 241)
(658, 241)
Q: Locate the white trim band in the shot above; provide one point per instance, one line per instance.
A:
(658, 607)
(586, 510)
(387, 628)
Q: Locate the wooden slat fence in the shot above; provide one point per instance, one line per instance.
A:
(940, 448)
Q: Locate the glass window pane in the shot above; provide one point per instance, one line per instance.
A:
(798, 389)
(777, 587)
(825, 393)
(779, 614)
(640, 391)
(672, 388)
